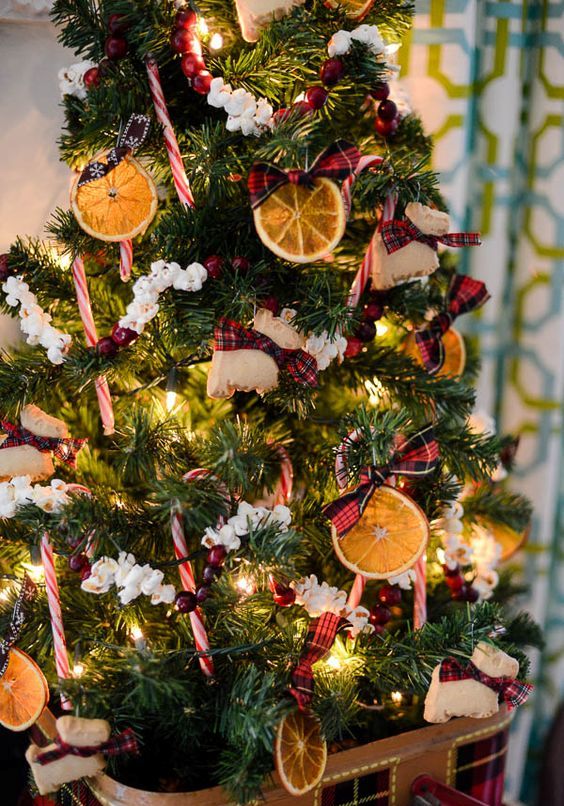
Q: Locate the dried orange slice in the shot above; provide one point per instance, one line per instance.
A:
(355, 9)
(23, 692)
(509, 539)
(388, 539)
(119, 205)
(455, 353)
(300, 753)
(302, 224)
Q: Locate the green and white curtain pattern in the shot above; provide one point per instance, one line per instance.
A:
(488, 80)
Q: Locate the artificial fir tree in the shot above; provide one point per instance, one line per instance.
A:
(296, 144)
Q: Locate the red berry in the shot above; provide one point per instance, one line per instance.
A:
(451, 572)
(216, 556)
(186, 18)
(192, 64)
(202, 82)
(281, 115)
(241, 264)
(302, 108)
(390, 595)
(380, 92)
(366, 331)
(316, 97)
(185, 602)
(455, 583)
(378, 629)
(123, 336)
(286, 598)
(332, 71)
(209, 573)
(373, 311)
(182, 41)
(271, 304)
(77, 562)
(115, 48)
(354, 346)
(118, 24)
(107, 347)
(4, 267)
(387, 110)
(202, 593)
(379, 614)
(91, 78)
(86, 572)
(387, 128)
(465, 594)
(105, 67)
(214, 266)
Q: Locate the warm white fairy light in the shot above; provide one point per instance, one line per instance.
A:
(381, 328)
(78, 670)
(397, 697)
(202, 27)
(216, 42)
(375, 391)
(136, 634)
(245, 585)
(36, 572)
(170, 401)
(334, 662)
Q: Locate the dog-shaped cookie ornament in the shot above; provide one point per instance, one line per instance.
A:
(25, 459)
(248, 370)
(470, 697)
(255, 14)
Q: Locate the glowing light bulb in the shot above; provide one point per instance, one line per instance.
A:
(381, 328)
(136, 632)
(216, 42)
(202, 27)
(78, 669)
(5, 594)
(334, 662)
(375, 391)
(36, 572)
(397, 697)
(245, 585)
(170, 400)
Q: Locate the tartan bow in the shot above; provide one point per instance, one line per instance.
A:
(337, 161)
(416, 457)
(513, 692)
(124, 742)
(464, 295)
(26, 595)
(132, 137)
(396, 234)
(230, 335)
(65, 448)
(321, 634)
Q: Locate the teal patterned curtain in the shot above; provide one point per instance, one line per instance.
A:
(488, 80)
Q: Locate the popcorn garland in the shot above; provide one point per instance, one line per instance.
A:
(19, 492)
(323, 348)
(247, 519)
(317, 598)
(35, 323)
(71, 79)
(341, 42)
(244, 112)
(131, 578)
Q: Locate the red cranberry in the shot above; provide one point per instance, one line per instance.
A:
(216, 556)
(366, 331)
(302, 108)
(115, 48)
(465, 594)
(286, 598)
(209, 573)
(271, 304)
(123, 336)
(185, 601)
(202, 82)
(86, 572)
(390, 595)
(107, 347)
(281, 115)
(105, 67)
(191, 64)
(186, 18)
(182, 41)
(214, 266)
(4, 267)
(373, 311)
(380, 92)
(387, 110)
(91, 78)
(379, 614)
(202, 593)
(316, 97)
(378, 629)
(241, 264)
(77, 562)
(118, 24)
(353, 348)
(332, 71)
(387, 128)
(455, 583)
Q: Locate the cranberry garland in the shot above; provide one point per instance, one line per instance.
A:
(366, 330)
(460, 589)
(387, 117)
(188, 601)
(115, 48)
(380, 613)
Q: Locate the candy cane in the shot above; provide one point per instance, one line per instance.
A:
(420, 593)
(57, 628)
(174, 157)
(365, 271)
(283, 491)
(85, 310)
(356, 591)
(125, 259)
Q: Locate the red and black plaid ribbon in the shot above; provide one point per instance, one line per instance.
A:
(65, 449)
(132, 137)
(230, 335)
(337, 161)
(321, 634)
(26, 595)
(124, 742)
(513, 692)
(416, 457)
(396, 234)
(464, 295)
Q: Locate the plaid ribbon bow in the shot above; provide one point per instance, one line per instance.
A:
(230, 335)
(321, 634)
(132, 137)
(26, 595)
(65, 449)
(124, 742)
(396, 234)
(513, 692)
(464, 295)
(337, 161)
(416, 457)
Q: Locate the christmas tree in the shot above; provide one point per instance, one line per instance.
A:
(241, 469)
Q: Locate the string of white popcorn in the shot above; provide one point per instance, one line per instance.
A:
(248, 518)
(19, 492)
(130, 578)
(35, 323)
(322, 348)
(147, 289)
(318, 597)
(71, 79)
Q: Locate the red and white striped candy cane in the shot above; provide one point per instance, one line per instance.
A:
(85, 310)
(57, 628)
(365, 271)
(356, 591)
(125, 259)
(420, 592)
(174, 157)
(283, 491)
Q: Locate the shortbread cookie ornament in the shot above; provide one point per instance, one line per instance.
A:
(27, 450)
(255, 14)
(250, 360)
(473, 688)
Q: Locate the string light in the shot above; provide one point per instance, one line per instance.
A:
(171, 390)
(216, 42)
(35, 572)
(202, 26)
(375, 391)
(245, 585)
(78, 669)
(334, 662)
(381, 328)
(397, 697)
(138, 638)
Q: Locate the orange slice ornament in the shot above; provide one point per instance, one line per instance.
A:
(23, 692)
(355, 9)
(454, 352)
(300, 753)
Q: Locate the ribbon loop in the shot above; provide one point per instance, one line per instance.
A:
(397, 234)
(320, 637)
(65, 448)
(132, 137)
(230, 335)
(513, 692)
(124, 742)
